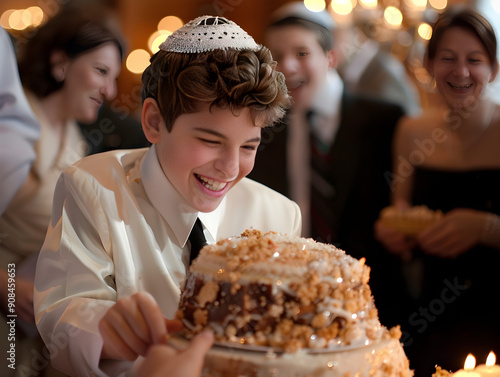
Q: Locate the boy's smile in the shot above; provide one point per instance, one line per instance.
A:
(211, 184)
(207, 153)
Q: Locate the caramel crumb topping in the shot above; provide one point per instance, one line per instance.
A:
(281, 291)
(208, 293)
(395, 332)
(200, 317)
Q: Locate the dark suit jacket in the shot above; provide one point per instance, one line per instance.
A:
(349, 188)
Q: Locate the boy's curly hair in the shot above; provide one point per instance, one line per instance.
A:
(181, 83)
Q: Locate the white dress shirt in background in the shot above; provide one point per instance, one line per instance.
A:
(18, 127)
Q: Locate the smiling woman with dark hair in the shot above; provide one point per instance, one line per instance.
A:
(68, 69)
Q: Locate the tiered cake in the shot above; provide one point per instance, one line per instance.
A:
(287, 306)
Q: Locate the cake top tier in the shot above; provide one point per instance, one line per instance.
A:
(269, 256)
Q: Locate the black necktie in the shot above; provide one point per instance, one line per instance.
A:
(197, 240)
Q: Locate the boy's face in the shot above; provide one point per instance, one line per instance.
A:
(207, 153)
(301, 59)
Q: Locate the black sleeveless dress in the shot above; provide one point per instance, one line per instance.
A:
(457, 309)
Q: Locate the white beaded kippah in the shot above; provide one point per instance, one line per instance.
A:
(208, 33)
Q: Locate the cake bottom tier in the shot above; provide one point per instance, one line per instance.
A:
(383, 358)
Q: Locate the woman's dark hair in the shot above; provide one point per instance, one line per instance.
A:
(72, 31)
(470, 20)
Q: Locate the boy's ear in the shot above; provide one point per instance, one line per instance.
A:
(332, 59)
(494, 72)
(152, 120)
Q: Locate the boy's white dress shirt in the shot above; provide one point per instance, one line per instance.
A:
(120, 227)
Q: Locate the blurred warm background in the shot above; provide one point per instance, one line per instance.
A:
(400, 26)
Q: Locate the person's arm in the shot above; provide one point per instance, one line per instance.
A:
(18, 127)
(75, 279)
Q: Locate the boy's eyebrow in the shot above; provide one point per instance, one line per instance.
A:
(222, 136)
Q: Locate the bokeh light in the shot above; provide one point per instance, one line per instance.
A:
(4, 19)
(342, 7)
(368, 4)
(441, 4)
(20, 19)
(170, 23)
(416, 5)
(137, 61)
(36, 15)
(156, 39)
(315, 5)
(425, 31)
(393, 17)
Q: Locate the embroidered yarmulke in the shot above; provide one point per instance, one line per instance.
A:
(208, 33)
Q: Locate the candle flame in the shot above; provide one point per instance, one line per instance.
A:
(470, 362)
(491, 359)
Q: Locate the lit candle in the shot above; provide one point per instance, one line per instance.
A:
(490, 369)
(468, 371)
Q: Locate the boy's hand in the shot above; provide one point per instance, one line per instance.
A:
(131, 325)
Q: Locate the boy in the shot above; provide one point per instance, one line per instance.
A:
(117, 249)
(339, 140)
(342, 141)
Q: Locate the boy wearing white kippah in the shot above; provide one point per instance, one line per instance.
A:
(118, 247)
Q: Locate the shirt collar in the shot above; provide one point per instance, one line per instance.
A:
(326, 109)
(328, 98)
(179, 215)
